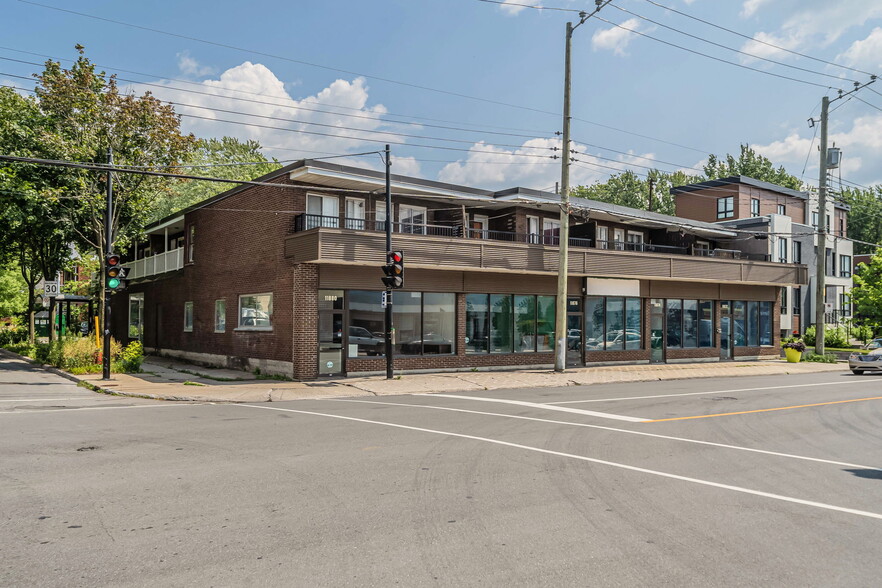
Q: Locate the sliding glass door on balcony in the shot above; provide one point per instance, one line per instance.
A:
(354, 214)
(412, 219)
(322, 211)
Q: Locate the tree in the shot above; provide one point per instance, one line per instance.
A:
(865, 216)
(867, 292)
(33, 232)
(89, 115)
(219, 157)
(752, 165)
(627, 189)
(13, 291)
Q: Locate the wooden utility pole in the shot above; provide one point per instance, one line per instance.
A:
(820, 280)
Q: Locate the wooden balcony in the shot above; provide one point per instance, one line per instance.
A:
(367, 248)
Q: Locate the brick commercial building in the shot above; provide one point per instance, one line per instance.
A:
(786, 222)
(287, 280)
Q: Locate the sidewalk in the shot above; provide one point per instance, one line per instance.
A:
(167, 379)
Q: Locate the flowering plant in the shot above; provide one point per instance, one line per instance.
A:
(796, 345)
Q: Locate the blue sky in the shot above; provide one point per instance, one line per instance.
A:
(663, 104)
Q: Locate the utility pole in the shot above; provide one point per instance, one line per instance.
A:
(651, 190)
(108, 249)
(560, 322)
(389, 217)
(821, 279)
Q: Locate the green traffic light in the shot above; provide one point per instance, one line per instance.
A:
(113, 283)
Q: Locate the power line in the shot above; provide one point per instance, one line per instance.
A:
(533, 6)
(755, 40)
(629, 154)
(768, 73)
(727, 47)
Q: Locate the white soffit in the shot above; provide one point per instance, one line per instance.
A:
(348, 181)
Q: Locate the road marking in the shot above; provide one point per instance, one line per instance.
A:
(603, 415)
(53, 411)
(707, 416)
(614, 429)
(622, 466)
(45, 399)
(705, 392)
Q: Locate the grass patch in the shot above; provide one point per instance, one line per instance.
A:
(189, 383)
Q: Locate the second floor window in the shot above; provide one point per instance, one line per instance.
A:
(797, 252)
(845, 266)
(782, 250)
(603, 237)
(830, 266)
(815, 220)
(754, 207)
(413, 219)
(726, 207)
(784, 300)
(782, 210)
(322, 211)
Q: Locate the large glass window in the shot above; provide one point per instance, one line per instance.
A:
(615, 323)
(674, 320)
(845, 266)
(439, 323)
(765, 323)
(739, 313)
(705, 323)
(545, 312)
(525, 323)
(501, 328)
(408, 320)
(797, 252)
(752, 324)
(594, 323)
(188, 317)
(256, 312)
(322, 211)
(413, 219)
(754, 207)
(477, 323)
(367, 323)
(633, 318)
(726, 207)
(797, 301)
(690, 323)
(505, 323)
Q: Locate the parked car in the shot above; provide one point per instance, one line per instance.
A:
(874, 344)
(859, 363)
(366, 340)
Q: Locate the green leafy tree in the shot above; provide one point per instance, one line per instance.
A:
(867, 292)
(627, 189)
(13, 292)
(865, 216)
(219, 158)
(751, 164)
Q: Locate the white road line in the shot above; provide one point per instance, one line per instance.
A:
(44, 399)
(604, 415)
(622, 466)
(644, 434)
(702, 393)
(53, 411)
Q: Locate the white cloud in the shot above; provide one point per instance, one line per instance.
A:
(265, 95)
(405, 166)
(492, 167)
(750, 7)
(615, 38)
(190, 67)
(510, 7)
(816, 24)
(866, 53)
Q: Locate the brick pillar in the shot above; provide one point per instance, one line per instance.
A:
(305, 324)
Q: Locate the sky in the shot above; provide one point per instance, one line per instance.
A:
(470, 92)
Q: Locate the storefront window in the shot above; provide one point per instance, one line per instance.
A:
(615, 323)
(367, 324)
(525, 323)
(545, 323)
(674, 323)
(408, 320)
(752, 324)
(765, 323)
(633, 318)
(439, 323)
(594, 323)
(690, 323)
(501, 333)
(477, 324)
(739, 312)
(705, 323)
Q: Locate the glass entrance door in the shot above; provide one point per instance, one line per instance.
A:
(725, 329)
(574, 332)
(657, 330)
(330, 332)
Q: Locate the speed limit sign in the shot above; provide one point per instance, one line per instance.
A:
(50, 289)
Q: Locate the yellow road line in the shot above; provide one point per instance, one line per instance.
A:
(707, 416)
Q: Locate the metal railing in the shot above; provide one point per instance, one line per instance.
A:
(156, 264)
(306, 222)
(731, 254)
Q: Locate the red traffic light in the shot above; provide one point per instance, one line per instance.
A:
(396, 256)
(112, 259)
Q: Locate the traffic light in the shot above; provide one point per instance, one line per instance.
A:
(114, 273)
(394, 270)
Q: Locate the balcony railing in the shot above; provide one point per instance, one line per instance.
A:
(305, 222)
(156, 264)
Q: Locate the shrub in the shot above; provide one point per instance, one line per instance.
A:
(794, 344)
(826, 358)
(862, 333)
(131, 357)
(13, 335)
(833, 337)
(79, 352)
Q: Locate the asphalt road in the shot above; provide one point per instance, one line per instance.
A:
(654, 484)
